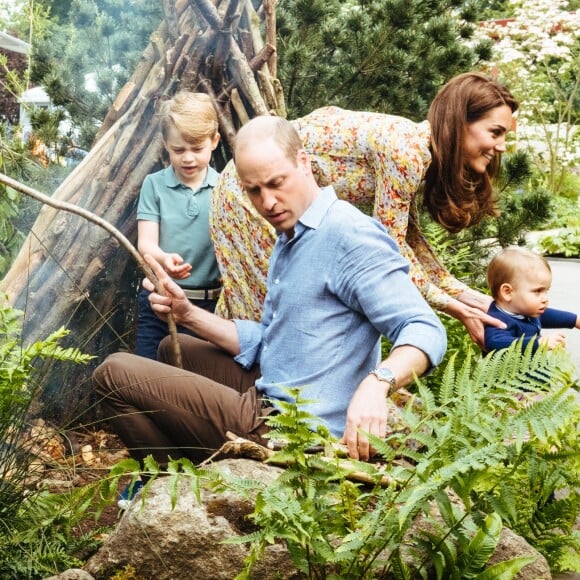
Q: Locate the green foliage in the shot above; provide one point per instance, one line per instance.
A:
(496, 444)
(389, 56)
(35, 527)
(565, 243)
(476, 436)
(86, 55)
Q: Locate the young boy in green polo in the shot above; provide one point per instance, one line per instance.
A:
(173, 212)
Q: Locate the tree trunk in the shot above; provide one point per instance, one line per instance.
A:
(70, 272)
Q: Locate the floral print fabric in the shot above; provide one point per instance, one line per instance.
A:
(369, 158)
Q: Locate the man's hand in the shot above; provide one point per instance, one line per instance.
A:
(367, 413)
(206, 325)
(173, 300)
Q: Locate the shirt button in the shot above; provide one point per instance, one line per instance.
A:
(274, 314)
(277, 281)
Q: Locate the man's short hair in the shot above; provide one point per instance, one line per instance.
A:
(280, 130)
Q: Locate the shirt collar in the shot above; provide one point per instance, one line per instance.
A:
(519, 316)
(313, 215)
(210, 179)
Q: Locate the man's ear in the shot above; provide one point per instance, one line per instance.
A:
(505, 292)
(303, 160)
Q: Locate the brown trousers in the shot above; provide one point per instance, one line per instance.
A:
(157, 409)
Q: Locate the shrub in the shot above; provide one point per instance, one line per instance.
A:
(35, 527)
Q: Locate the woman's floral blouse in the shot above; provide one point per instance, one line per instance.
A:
(368, 158)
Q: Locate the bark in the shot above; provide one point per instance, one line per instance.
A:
(72, 273)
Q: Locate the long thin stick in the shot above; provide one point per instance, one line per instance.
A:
(90, 216)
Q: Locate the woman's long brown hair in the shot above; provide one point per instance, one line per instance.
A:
(456, 196)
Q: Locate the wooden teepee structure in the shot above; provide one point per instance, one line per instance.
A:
(70, 272)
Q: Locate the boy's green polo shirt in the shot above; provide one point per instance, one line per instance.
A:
(183, 218)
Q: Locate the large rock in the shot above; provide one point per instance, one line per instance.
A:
(187, 541)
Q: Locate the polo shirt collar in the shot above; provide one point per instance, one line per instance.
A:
(210, 180)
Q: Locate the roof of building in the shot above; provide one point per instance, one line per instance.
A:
(8, 42)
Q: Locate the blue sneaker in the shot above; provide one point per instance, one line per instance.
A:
(128, 494)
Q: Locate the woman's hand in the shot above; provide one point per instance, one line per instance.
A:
(470, 308)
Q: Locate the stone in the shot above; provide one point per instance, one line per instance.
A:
(187, 541)
(72, 574)
(510, 546)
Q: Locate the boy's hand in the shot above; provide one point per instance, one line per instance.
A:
(174, 266)
(553, 340)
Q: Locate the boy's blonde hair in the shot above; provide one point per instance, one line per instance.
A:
(510, 263)
(192, 114)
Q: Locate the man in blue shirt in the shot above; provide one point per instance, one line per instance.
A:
(336, 283)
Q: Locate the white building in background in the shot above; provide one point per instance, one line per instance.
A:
(30, 99)
(13, 44)
(35, 98)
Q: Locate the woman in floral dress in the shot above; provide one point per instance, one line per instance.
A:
(384, 160)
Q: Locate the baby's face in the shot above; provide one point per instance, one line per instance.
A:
(529, 295)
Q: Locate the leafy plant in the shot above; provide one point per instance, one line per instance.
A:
(35, 527)
(564, 243)
(495, 444)
(388, 56)
(539, 54)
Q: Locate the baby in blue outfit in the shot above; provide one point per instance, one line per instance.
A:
(519, 281)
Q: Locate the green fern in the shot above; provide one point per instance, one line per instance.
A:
(36, 537)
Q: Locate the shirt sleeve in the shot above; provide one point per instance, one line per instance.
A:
(250, 340)
(369, 274)
(148, 207)
(553, 318)
(498, 338)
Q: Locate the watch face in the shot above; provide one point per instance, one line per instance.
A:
(385, 374)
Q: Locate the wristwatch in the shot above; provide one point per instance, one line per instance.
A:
(386, 375)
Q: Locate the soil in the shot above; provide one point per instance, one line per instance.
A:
(74, 459)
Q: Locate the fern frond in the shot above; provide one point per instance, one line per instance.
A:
(481, 547)
(543, 416)
(479, 459)
(506, 570)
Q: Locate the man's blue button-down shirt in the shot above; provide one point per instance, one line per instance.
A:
(333, 289)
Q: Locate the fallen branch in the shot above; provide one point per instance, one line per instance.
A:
(252, 450)
(90, 216)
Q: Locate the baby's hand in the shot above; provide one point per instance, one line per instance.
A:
(174, 266)
(553, 340)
